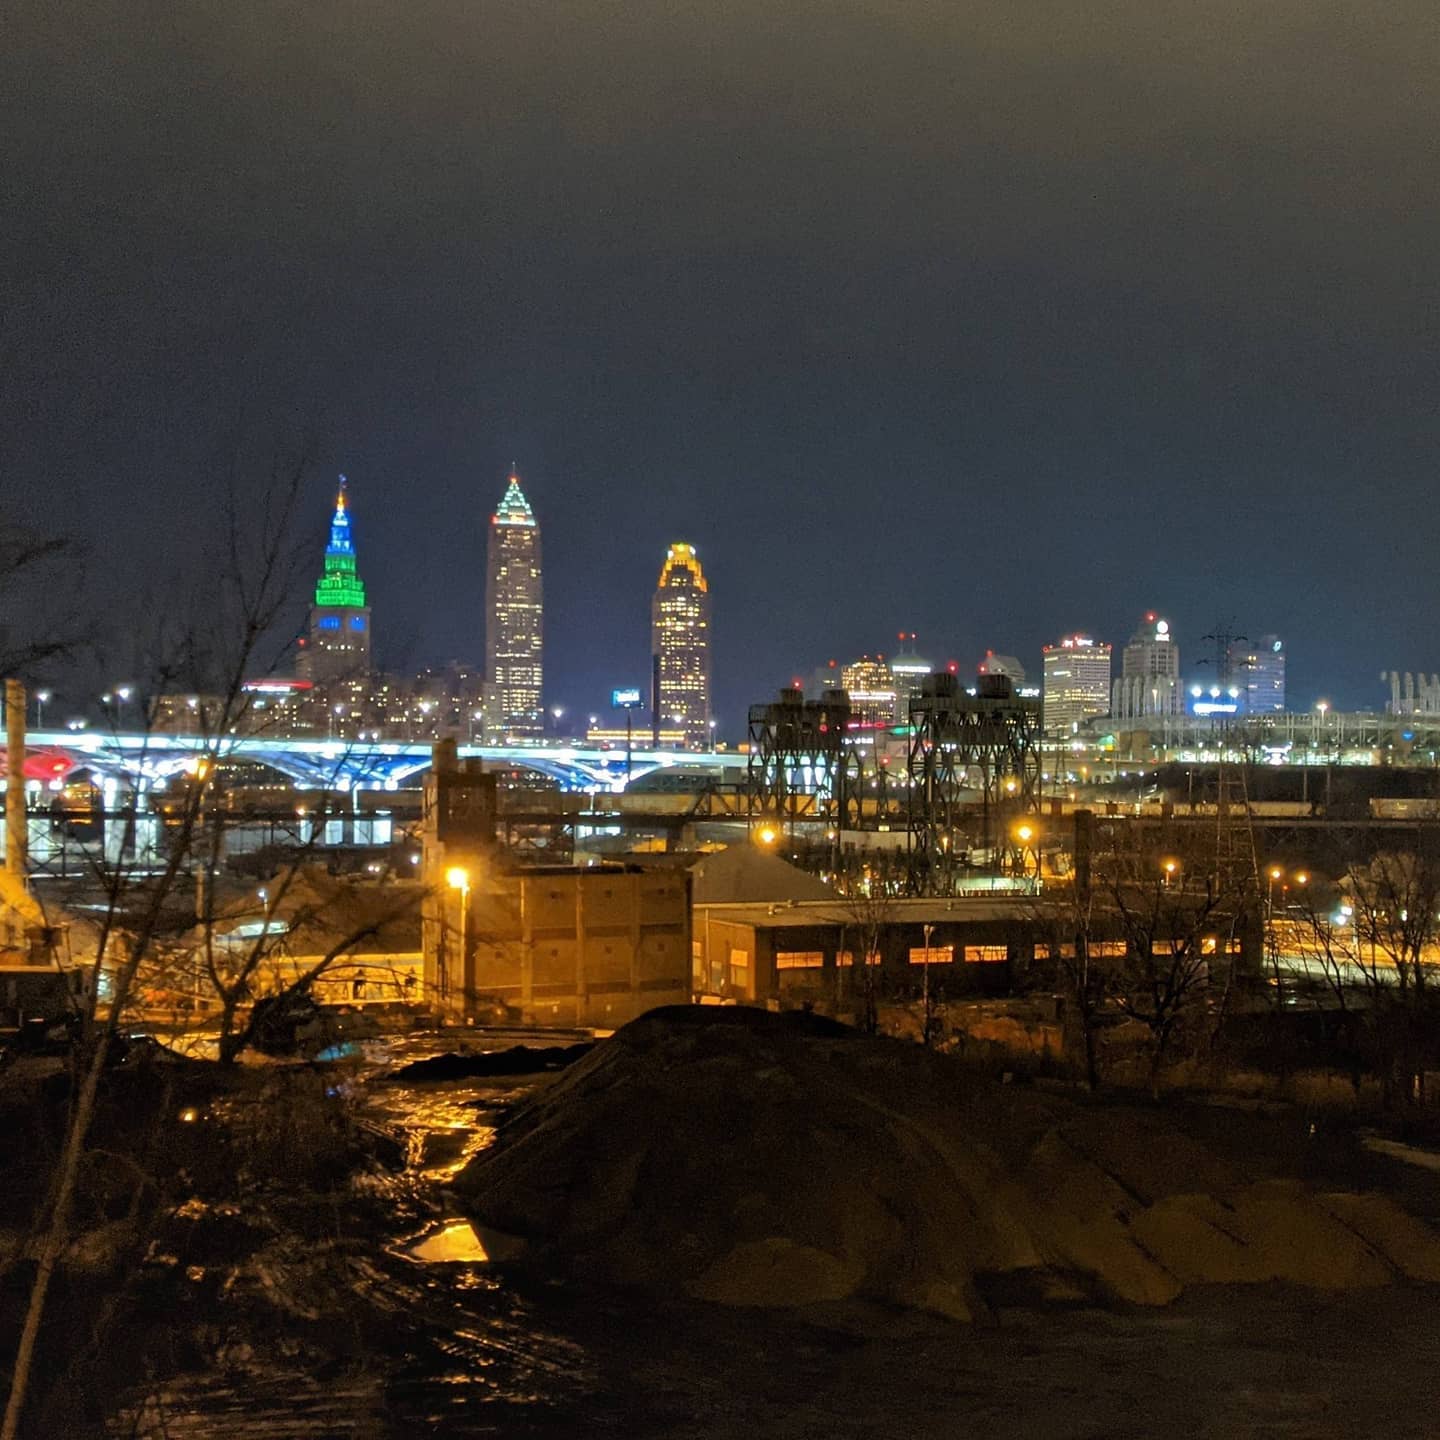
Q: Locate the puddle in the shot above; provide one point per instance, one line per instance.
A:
(454, 1243)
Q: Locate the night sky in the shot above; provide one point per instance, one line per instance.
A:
(985, 320)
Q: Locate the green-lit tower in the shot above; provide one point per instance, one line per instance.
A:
(338, 645)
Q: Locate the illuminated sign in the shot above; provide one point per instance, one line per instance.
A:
(625, 699)
(1215, 707)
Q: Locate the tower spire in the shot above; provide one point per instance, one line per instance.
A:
(340, 584)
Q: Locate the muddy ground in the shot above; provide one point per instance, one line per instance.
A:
(281, 1297)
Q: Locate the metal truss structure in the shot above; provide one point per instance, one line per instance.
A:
(801, 764)
(967, 753)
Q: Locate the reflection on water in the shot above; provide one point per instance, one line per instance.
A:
(456, 1242)
(326, 1316)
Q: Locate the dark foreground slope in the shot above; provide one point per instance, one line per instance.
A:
(753, 1159)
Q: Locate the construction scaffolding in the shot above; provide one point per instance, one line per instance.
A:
(973, 760)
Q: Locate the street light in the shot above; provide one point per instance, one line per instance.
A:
(457, 877)
(926, 1019)
(1170, 867)
(1025, 833)
(766, 836)
(42, 698)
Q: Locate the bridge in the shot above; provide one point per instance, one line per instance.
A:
(349, 764)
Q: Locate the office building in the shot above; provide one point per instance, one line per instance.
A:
(514, 630)
(336, 645)
(1149, 683)
(871, 688)
(1076, 684)
(680, 648)
(907, 673)
(1258, 672)
(994, 664)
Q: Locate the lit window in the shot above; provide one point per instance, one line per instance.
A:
(986, 954)
(799, 959)
(932, 955)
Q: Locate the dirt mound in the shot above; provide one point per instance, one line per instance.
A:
(763, 1160)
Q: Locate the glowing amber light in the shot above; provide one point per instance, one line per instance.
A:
(457, 878)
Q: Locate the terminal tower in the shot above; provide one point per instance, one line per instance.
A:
(337, 645)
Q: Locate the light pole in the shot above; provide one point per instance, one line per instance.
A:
(458, 878)
(41, 699)
(1025, 834)
(1169, 867)
(1323, 706)
(925, 1020)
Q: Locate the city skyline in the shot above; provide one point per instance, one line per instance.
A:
(1253, 671)
(995, 364)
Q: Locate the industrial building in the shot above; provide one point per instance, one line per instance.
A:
(557, 945)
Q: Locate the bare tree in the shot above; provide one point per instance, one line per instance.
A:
(867, 911)
(228, 628)
(37, 572)
(1374, 938)
(1178, 922)
(1064, 922)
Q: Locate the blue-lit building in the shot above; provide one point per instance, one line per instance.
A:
(1258, 671)
(336, 647)
(1252, 682)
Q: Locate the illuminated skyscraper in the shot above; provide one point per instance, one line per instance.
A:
(680, 646)
(513, 621)
(1258, 672)
(337, 647)
(1077, 683)
(1149, 682)
(871, 688)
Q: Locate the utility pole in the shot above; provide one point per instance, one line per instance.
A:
(16, 823)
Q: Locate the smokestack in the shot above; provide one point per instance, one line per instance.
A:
(16, 836)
